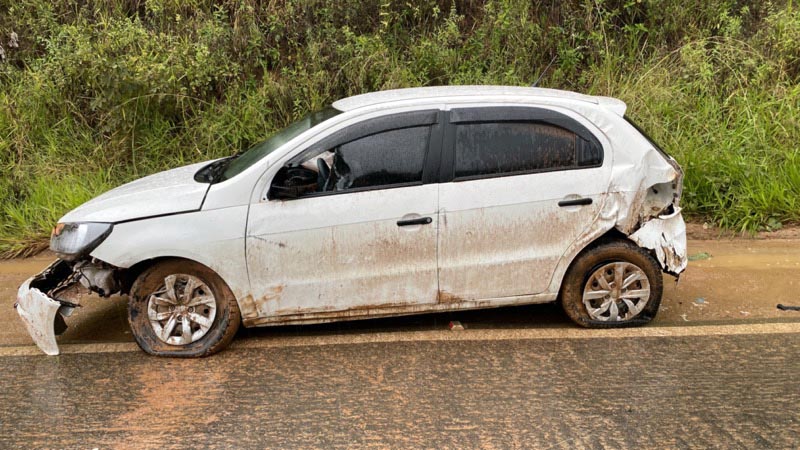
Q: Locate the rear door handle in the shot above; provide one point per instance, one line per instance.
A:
(575, 202)
(417, 221)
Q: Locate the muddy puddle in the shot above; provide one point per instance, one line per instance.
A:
(734, 280)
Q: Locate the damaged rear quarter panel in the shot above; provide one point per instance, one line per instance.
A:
(645, 192)
(644, 185)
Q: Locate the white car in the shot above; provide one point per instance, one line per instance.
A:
(389, 203)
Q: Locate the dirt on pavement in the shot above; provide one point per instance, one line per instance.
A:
(707, 232)
(727, 281)
(732, 280)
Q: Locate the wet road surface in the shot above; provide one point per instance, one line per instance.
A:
(735, 391)
(719, 373)
(732, 281)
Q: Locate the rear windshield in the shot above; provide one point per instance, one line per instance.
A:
(259, 151)
(647, 136)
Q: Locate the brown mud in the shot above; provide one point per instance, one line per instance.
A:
(727, 281)
(732, 280)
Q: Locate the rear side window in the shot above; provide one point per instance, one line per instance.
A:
(507, 148)
(382, 159)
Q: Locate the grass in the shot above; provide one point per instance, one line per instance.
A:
(738, 149)
(101, 93)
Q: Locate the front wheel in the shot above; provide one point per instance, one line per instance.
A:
(182, 308)
(614, 284)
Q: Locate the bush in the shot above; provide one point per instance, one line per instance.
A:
(98, 93)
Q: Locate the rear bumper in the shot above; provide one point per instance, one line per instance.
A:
(666, 236)
(42, 314)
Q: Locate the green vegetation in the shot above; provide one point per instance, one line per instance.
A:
(101, 92)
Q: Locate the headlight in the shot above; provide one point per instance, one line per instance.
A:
(73, 240)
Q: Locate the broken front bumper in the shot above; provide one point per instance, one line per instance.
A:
(42, 314)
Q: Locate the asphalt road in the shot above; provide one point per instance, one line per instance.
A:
(716, 369)
(724, 391)
(736, 281)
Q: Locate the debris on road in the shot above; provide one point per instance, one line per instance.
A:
(783, 307)
(455, 326)
(699, 256)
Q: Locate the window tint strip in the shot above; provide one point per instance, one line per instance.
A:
(518, 114)
(369, 127)
(496, 148)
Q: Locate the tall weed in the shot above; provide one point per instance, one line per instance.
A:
(98, 93)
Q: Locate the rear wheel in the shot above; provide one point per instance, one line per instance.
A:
(614, 284)
(182, 308)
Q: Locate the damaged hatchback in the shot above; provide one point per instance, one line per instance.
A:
(384, 204)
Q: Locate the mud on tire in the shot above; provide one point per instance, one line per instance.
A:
(219, 334)
(588, 262)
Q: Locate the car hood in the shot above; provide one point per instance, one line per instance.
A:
(167, 192)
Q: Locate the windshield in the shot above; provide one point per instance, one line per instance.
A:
(258, 151)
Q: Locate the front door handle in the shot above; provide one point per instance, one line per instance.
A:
(575, 202)
(417, 221)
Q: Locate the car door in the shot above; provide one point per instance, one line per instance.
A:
(369, 241)
(521, 184)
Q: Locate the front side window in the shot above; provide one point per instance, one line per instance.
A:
(388, 158)
(507, 148)
(383, 159)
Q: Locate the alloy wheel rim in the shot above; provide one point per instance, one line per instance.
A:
(616, 292)
(182, 310)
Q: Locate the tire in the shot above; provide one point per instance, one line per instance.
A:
(196, 324)
(585, 278)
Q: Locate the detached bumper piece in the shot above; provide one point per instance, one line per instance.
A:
(42, 309)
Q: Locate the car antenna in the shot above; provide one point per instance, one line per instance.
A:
(536, 83)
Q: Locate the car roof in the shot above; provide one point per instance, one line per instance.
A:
(471, 93)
